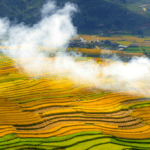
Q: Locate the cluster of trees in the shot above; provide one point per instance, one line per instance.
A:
(92, 44)
(146, 53)
(27, 11)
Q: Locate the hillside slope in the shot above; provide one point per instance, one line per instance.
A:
(92, 17)
(53, 113)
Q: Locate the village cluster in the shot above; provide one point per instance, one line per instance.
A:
(81, 43)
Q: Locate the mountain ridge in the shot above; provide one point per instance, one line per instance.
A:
(93, 15)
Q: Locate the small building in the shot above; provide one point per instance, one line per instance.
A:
(101, 43)
(72, 44)
(81, 40)
(121, 49)
(133, 45)
(122, 46)
(114, 44)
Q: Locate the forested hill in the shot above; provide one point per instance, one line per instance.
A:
(26, 11)
(93, 15)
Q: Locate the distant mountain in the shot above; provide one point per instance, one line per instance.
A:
(94, 15)
(113, 15)
(26, 11)
(136, 1)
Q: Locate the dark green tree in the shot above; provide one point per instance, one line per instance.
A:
(27, 11)
(123, 1)
(107, 42)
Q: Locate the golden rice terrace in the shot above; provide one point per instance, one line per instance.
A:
(55, 114)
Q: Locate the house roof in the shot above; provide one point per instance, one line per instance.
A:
(122, 46)
(134, 45)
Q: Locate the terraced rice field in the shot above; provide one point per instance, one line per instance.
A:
(126, 40)
(121, 38)
(54, 113)
(102, 51)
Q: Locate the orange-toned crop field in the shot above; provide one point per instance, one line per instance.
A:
(54, 113)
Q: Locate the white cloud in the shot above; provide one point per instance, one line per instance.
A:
(54, 31)
(48, 8)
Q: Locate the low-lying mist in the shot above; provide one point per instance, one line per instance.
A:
(51, 35)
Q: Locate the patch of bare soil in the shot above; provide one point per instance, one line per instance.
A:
(52, 121)
(139, 125)
(8, 67)
(42, 110)
(136, 100)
